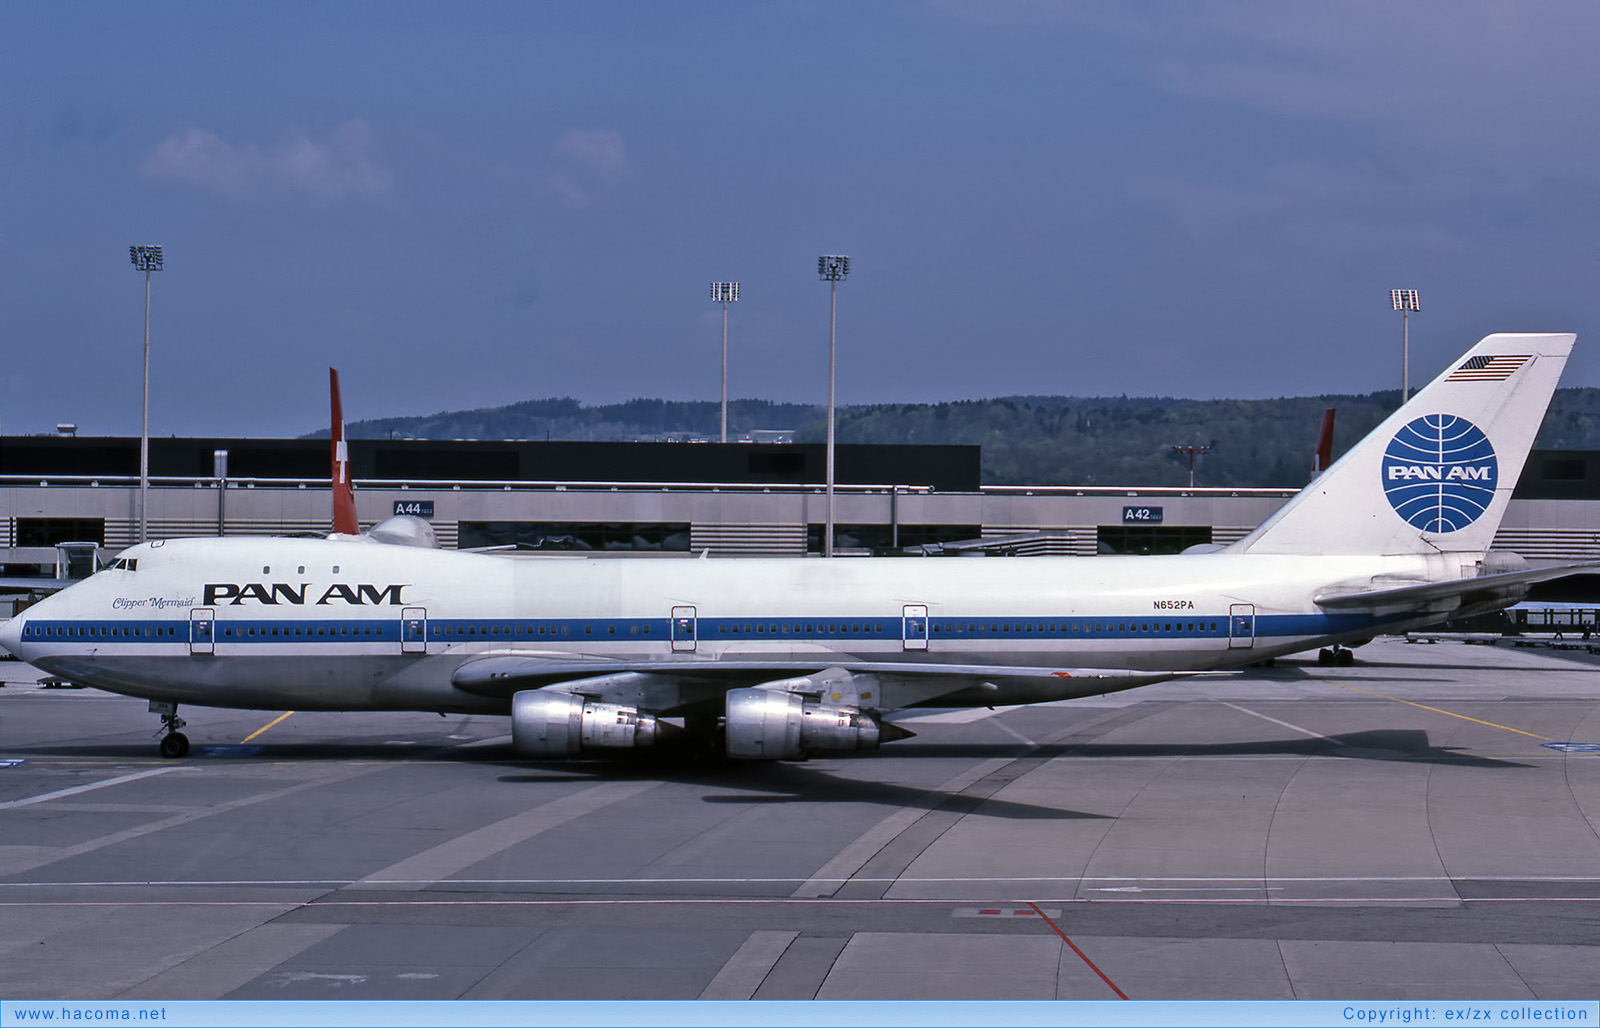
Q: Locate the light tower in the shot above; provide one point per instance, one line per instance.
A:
(832, 269)
(1405, 301)
(146, 259)
(1192, 451)
(725, 293)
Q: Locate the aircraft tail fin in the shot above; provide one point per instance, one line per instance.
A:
(1437, 474)
(1322, 455)
(344, 496)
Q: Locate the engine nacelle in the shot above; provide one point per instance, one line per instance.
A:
(556, 724)
(773, 724)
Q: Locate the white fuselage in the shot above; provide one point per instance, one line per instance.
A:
(351, 624)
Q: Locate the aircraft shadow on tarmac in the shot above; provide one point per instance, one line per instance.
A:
(802, 782)
(777, 782)
(1302, 670)
(787, 782)
(1396, 744)
(1391, 744)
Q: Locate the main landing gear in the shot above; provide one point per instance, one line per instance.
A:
(1336, 656)
(174, 744)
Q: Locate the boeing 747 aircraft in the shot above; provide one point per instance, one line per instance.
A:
(782, 657)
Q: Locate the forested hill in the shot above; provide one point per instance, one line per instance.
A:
(1035, 440)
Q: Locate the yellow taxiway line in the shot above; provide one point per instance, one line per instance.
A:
(1381, 696)
(266, 726)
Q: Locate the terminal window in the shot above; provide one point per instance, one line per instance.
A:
(884, 537)
(1145, 539)
(49, 531)
(575, 535)
(1564, 469)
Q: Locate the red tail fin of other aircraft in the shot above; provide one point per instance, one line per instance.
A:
(344, 496)
(1323, 455)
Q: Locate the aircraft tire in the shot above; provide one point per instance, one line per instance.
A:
(1344, 658)
(175, 746)
(1325, 657)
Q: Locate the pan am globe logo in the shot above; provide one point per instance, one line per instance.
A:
(1439, 473)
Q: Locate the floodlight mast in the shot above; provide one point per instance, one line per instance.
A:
(725, 293)
(1404, 301)
(832, 269)
(1192, 451)
(146, 259)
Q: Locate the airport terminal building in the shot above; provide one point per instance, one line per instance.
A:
(726, 500)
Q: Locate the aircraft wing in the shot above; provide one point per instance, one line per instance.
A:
(1424, 594)
(504, 675)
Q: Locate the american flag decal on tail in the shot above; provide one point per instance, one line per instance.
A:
(1496, 368)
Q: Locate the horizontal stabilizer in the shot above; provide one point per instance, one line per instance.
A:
(1426, 593)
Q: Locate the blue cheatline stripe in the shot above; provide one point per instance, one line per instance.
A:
(703, 629)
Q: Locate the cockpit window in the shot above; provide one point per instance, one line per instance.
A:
(125, 564)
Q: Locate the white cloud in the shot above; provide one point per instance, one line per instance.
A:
(1504, 86)
(341, 165)
(602, 153)
(1511, 80)
(593, 162)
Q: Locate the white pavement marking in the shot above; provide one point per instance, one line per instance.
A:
(13, 862)
(744, 972)
(1253, 881)
(1282, 724)
(493, 740)
(854, 857)
(1015, 734)
(75, 790)
(724, 901)
(962, 716)
(442, 861)
(229, 965)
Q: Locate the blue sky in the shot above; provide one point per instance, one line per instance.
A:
(472, 204)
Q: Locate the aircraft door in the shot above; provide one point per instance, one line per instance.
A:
(683, 629)
(202, 631)
(414, 630)
(1241, 626)
(914, 626)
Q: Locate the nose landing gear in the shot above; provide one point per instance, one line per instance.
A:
(174, 744)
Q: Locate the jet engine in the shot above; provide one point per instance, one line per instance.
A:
(775, 724)
(548, 725)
